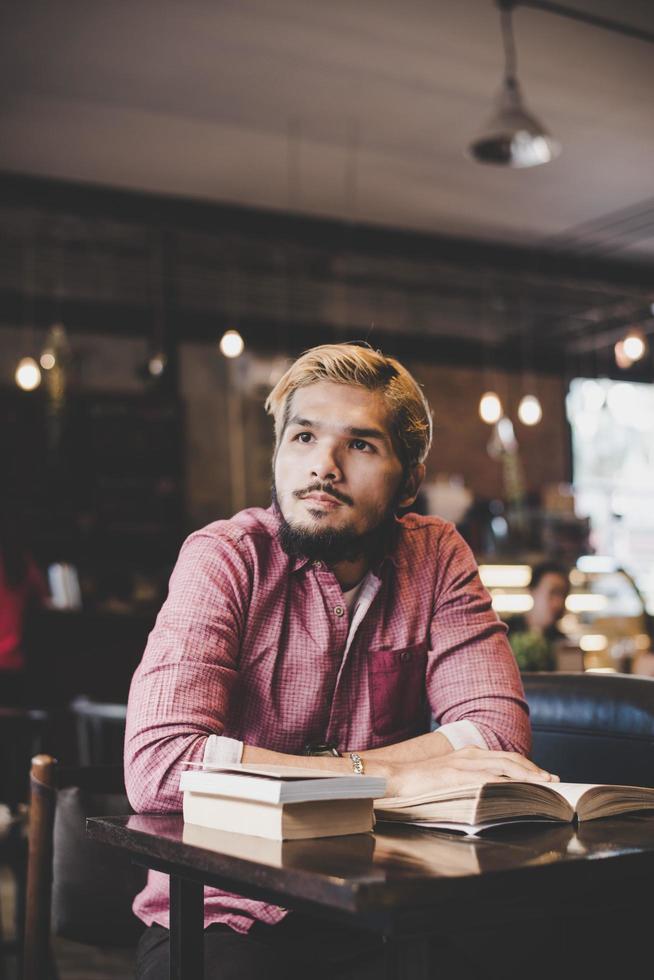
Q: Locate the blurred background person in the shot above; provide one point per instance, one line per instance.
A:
(22, 588)
(535, 635)
(643, 662)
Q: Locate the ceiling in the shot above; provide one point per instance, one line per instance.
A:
(358, 111)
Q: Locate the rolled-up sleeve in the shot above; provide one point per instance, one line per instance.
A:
(180, 693)
(471, 672)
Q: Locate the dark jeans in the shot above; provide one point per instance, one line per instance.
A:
(303, 948)
(297, 948)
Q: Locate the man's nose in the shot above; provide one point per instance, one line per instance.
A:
(325, 464)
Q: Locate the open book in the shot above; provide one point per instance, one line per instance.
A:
(474, 808)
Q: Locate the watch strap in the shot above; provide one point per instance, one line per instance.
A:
(321, 748)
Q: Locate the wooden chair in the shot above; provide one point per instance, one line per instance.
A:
(23, 731)
(75, 888)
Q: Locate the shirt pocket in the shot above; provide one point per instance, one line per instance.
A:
(397, 688)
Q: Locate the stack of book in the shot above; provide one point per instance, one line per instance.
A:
(279, 802)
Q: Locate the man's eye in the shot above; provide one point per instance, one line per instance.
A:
(361, 444)
(303, 437)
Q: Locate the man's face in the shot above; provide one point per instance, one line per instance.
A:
(336, 469)
(549, 599)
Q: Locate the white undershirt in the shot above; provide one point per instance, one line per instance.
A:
(352, 594)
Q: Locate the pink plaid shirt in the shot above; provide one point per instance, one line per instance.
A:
(254, 645)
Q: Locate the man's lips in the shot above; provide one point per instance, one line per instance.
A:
(325, 499)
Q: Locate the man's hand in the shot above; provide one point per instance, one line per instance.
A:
(462, 767)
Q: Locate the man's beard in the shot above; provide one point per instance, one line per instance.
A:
(333, 546)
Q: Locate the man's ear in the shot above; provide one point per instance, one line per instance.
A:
(412, 482)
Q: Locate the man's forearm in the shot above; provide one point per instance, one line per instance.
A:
(429, 746)
(256, 756)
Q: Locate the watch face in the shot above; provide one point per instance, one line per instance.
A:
(320, 748)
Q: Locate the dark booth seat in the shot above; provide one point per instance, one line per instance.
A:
(593, 728)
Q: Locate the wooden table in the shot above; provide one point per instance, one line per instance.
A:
(405, 884)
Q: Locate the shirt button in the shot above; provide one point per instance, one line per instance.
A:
(317, 564)
(405, 656)
(339, 611)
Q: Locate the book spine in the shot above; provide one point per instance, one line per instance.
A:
(260, 821)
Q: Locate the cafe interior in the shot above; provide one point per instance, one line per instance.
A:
(193, 194)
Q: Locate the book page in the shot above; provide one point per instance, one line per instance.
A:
(495, 799)
(592, 800)
(470, 792)
(572, 792)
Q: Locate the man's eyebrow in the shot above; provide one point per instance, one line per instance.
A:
(350, 430)
(368, 433)
(305, 423)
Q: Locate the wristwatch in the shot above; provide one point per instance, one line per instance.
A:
(321, 748)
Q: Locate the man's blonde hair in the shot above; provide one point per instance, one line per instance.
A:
(355, 364)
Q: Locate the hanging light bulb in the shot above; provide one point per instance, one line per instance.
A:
(231, 343)
(506, 433)
(157, 364)
(621, 358)
(634, 345)
(512, 136)
(529, 410)
(490, 408)
(28, 374)
(47, 359)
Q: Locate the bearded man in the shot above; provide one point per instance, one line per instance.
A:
(325, 624)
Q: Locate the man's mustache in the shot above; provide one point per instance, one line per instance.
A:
(324, 488)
